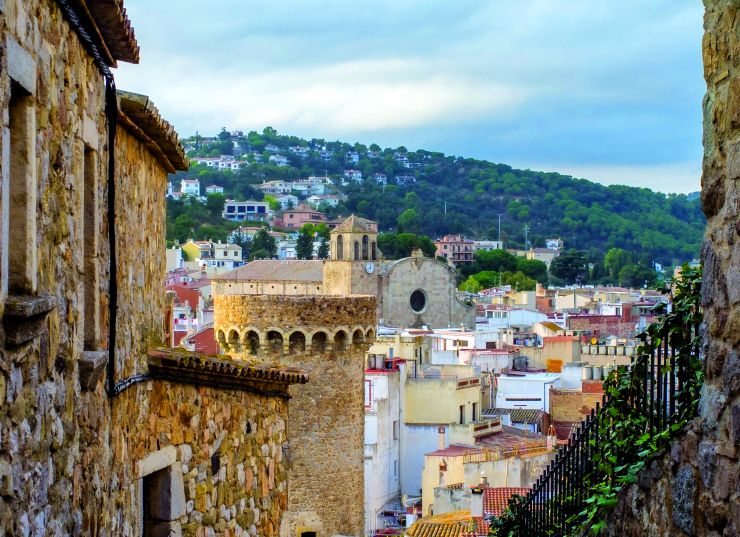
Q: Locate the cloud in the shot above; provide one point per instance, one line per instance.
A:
(572, 81)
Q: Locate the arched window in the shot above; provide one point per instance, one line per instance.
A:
(357, 250)
(340, 247)
(365, 246)
(374, 250)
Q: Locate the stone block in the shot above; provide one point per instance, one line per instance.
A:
(21, 67)
(156, 461)
(684, 498)
(91, 368)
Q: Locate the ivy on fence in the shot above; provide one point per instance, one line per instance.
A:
(637, 421)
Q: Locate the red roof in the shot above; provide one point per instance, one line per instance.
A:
(496, 499)
(204, 341)
(186, 294)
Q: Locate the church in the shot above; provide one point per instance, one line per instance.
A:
(413, 292)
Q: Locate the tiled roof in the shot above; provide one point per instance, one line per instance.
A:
(446, 525)
(356, 224)
(196, 368)
(517, 415)
(274, 270)
(115, 29)
(140, 117)
(496, 499)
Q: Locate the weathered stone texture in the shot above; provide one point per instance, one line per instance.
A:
(71, 456)
(694, 489)
(326, 416)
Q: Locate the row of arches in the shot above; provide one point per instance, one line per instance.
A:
(364, 250)
(276, 341)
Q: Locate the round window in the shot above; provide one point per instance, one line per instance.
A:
(418, 301)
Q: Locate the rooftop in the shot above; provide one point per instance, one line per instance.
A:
(356, 224)
(274, 270)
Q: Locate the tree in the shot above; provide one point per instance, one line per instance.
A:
(323, 252)
(304, 244)
(471, 285)
(263, 245)
(408, 221)
(498, 260)
(570, 266)
(532, 268)
(518, 281)
(274, 203)
(243, 240)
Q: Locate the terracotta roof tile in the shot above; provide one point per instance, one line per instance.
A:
(274, 270)
(495, 499)
(356, 224)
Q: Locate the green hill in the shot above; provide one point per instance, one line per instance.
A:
(447, 194)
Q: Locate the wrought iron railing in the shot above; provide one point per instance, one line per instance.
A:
(656, 394)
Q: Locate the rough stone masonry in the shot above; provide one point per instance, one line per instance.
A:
(694, 489)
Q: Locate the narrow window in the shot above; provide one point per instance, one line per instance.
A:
(395, 430)
(90, 237)
(22, 193)
(340, 247)
(462, 414)
(357, 250)
(365, 246)
(475, 411)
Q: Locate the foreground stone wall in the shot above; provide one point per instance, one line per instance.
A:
(45, 482)
(327, 337)
(73, 459)
(695, 488)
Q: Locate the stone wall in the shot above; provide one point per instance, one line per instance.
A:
(694, 489)
(327, 337)
(73, 459)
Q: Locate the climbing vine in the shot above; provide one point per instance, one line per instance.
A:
(628, 437)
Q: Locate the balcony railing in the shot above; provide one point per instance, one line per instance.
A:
(655, 396)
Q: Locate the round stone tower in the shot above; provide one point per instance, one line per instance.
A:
(327, 336)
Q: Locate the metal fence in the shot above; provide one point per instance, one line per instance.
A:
(656, 391)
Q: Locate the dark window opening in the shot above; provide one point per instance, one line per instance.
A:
(418, 301)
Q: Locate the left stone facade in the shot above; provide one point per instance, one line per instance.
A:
(100, 433)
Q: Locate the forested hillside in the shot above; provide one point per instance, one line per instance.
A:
(448, 194)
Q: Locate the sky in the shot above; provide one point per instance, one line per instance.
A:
(608, 91)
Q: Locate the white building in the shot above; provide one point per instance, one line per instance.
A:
(240, 211)
(286, 249)
(315, 201)
(279, 160)
(405, 179)
(382, 445)
(526, 390)
(287, 201)
(214, 189)
(380, 178)
(353, 175)
(224, 162)
(487, 245)
(276, 187)
(190, 187)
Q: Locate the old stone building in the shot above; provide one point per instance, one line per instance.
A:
(327, 336)
(411, 292)
(100, 433)
(694, 489)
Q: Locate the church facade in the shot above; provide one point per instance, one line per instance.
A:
(413, 292)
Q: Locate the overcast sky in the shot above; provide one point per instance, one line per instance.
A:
(605, 90)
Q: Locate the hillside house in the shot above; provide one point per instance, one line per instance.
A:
(241, 211)
(456, 249)
(190, 187)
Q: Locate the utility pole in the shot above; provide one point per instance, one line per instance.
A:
(499, 227)
(526, 232)
(445, 209)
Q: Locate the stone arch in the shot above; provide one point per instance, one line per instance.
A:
(358, 337)
(340, 340)
(319, 341)
(374, 250)
(370, 334)
(233, 340)
(297, 342)
(357, 250)
(339, 253)
(365, 247)
(274, 340)
(252, 341)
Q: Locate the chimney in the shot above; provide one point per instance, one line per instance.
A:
(440, 438)
(476, 498)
